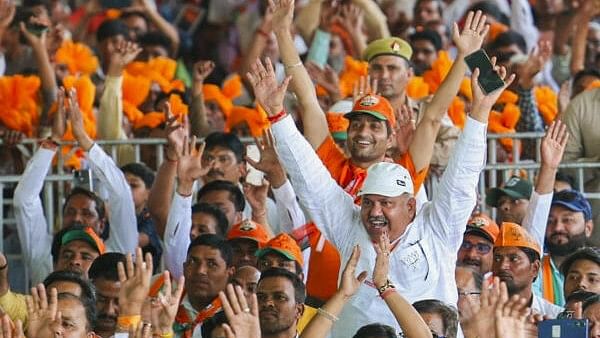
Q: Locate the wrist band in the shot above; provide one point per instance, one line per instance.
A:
(327, 315)
(277, 116)
(288, 67)
(164, 335)
(263, 33)
(125, 322)
(387, 293)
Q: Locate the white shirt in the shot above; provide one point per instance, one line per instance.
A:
(422, 265)
(536, 218)
(541, 306)
(36, 240)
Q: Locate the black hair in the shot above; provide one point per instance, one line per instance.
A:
(228, 141)
(165, 96)
(110, 28)
(375, 330)
(235, 194)
(440, 5)
(22, 14)
(209, 325)
(129, 14)
(586, 72)
(490, 9)
(88, 291)
(532, 255)
(564, 177)
(448, 314)
(155, 39)
(100, 207)
(429, 35)
(215, 242)
(508, 38)
(299, 269)
(88, 305)
(299, 287)
(216, 213)
(579, 296)
(588, 253)
(140, 170)
(590, 301)
(105, 266)
(57, 239)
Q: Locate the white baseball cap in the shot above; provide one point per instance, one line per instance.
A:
(387, 179)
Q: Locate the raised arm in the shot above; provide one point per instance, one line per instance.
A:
(148, 7)
(584, 15)
(313, 118)
(198, 121)
(467, 41)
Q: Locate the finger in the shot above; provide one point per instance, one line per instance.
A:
(269, 66)
(362, 276)
(481, 25)
(261, 68)
(493, 61)
(475, 23)
(19, 332)
(168, 112)
(251, 79)
(485, 31)
(475, 78)
(468, 21)
(186, 146)
(43, 297)
(129, 268)
(179, 291)
(226, 305)
(510, 80)
(271, 138)
(353, 261)
(502, 72)
(53, 302)
(455, 31)
(228, 331)
(233, 300)
(241, 298)
(286, 82)
(149, 267)
(121, 272)
(201, 148)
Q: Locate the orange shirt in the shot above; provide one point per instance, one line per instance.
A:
(351, 177)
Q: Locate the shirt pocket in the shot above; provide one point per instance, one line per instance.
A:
(410, 267)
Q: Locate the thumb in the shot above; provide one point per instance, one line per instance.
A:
(250, 161)
(285, 83)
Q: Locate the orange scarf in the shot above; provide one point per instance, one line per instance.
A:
(183, 323)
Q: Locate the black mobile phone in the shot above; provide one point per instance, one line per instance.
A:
(117, 4)
(36, 28)
(563, 328)
(83, 179)
(489, 80)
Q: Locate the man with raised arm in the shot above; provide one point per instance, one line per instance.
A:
(424, 244)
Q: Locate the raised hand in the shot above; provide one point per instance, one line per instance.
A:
(36, 41)
(350, 281)
(8, 9)
(405, 128)
(202, 70)
(8, 329)
(362, 87)
(177, 133)
(554, 143)
(44, 319)
(143, 330)
(382, 262)
(482, 103)
(76, 118)
(326, 78)
(269, 160)
(59, 122)
(135, 282)
(511, 315)
(351, 18)
(267, 91)
(164, 308)
(256, 195)
(189, 166)
(125, 52)
(242, 317)
(283, 15)
(473, 33)
(534, 64)
(482, 322)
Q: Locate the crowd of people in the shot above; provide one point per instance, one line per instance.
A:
(355, 210)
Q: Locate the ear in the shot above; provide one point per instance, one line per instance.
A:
(412, 206)
(589, 227)
(536, 267)
(230, 272)
(299, 311)
(243, 169)
(91, 334)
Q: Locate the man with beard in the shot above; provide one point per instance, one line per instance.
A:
(105, 277)
(517, 263)
(569, 227)
(582, 272)
(476, 250)
(81, 207)
(246, 238)
(280, 296)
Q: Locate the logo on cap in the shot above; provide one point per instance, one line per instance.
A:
(395, 46)
(478, 222)
(512, 182)
(247, 226)
(401, 183)
(515, 234)
(369, 101)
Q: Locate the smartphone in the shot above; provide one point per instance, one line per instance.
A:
(189, 18)
(489, 80)
(83, 179)
(117, 4)
(563, 328)
(36, 28)
(253, 175)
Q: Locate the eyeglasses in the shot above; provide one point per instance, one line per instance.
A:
(481, 248)
(468, 293)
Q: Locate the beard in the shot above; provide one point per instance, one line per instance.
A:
(574, 242)
(271, 327)
(512, 287)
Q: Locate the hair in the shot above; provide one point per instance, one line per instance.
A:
(235, 194)
(209, 325)
(88, 291)
(588, 253)
(299, 287)
(376, 330)
(228, 141)
(140, 170)
(477, 276)
(429, 35)
(219, 216)
(490, 9)
(57, 239)
(532, 255)
(128, 14)
(563, 176)
(590, 301)
(579, 296)
(215, 242)
(165, 96)
(586, 72)
(448, 313)
(100, 207)
(88, 305)
(440, 5)
(155, 39)
(105, 266)
(508, 38)
(110, 28)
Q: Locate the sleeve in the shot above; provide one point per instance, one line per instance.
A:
(328, 205)
(536, 218)
(15, 306)
(290, 214)
(177, 234)
(418, 177)
(530, 120)
(36, 241)
(123, 236)
(521, 21)
(456, 195)
(332, 157)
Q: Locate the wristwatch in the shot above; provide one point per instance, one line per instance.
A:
(388, 285)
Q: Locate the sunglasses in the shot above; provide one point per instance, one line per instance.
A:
(481, 248)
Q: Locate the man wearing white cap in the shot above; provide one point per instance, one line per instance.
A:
(423, 245)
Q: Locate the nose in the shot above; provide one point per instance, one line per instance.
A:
(505, 206)
(471, 253)
(376, 210)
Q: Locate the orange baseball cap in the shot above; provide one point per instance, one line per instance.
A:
(482, 225)
(87, 235)
(376, 106)
(249, 230)
(512, 234)
(285, 245)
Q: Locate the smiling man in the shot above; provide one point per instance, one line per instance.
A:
(478, 242)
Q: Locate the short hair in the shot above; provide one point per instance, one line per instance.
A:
(100, 207)
(509, 38)
(590, 301)
(563, 176)
(111, 28)
(299, 287)
(88, 291)
(228, 141)
(531, 254)
(490, 9)
(140, 170)
(155, 39)
(579, 296)
(375, 330)
(209, 325)
(219, 216)
(448, 314)
(215, 242)
(586, 72)
(588, 253)
(88, 305)
(429, 35)
(105, 266)
(235, 193)
(128, 14)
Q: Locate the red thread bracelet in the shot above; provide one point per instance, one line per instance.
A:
(277, 117)
(263, 33)
(387, 293)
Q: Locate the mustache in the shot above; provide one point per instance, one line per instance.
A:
(215, 172)
(102, 316)
(471, 262)
(378, 219)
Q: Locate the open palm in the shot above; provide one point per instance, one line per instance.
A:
(282, 14)
(554, 143)
(269, 94)
(473, 33)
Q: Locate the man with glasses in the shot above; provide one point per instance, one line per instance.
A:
(468, 285)
(476, 249)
